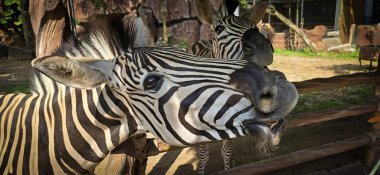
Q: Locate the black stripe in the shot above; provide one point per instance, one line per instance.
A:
(232, 101)
(231, 120)
(103, 104)
(1, 101)
(161, 102)
(193, 82)
(210, 101)
(21, 104)
(13, 117)
(149, 108)
(62, 153)
(149, 122)
(44, 165)
(7, 103)
(184, 108)
(77, 141)
(95, 132)
(132, 125)
(196, 76)
(28, 140)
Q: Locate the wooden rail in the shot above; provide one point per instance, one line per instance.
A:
(332, 114)
(318, 84)
(295, 158)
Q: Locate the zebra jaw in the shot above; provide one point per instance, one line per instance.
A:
(269, 130)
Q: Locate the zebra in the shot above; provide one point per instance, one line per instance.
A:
(233, 38)
(90, 97)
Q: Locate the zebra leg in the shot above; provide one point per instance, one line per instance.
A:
(227, 154)
(203, 154)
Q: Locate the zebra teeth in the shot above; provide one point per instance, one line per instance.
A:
(273, 124)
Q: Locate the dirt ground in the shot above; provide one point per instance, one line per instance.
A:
(13, 72)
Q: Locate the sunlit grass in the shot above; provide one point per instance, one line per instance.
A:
(340, 97)
(308, 53)
(22, 86)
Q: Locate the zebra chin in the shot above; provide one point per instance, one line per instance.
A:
(267, 136)
(271, 132)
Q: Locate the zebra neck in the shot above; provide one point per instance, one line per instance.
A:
(61, 130)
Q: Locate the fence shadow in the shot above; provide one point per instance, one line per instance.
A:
(346, 68)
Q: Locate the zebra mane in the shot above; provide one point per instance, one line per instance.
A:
(108, 36)
(97, 43)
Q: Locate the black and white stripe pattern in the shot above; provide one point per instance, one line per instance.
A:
(227, 44)
(86, 105)
(233, 38)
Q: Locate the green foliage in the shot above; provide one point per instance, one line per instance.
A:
(344, 96)
(244, 4)
(98, 3)
(11, 18)
(23, 86)
(174, 42)
(307, 53)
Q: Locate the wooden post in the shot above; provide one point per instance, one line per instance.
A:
(373, 153)
(49, 19)
(271, 10)
(25, 23)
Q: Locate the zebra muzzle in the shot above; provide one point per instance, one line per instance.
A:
(270, 130)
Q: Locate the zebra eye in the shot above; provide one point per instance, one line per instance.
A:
(153, 83)
(219, 29)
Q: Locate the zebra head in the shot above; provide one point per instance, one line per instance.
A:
(181, 98)
(236, 37)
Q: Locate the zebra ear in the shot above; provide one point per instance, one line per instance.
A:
(144, 35)
(139, 26)
(204, 10)
(258, 11)
(228, 7)
(84, 73)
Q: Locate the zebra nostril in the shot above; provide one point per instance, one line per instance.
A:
(265, 102)
(266, 96)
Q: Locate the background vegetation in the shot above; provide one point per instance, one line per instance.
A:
(11, 18)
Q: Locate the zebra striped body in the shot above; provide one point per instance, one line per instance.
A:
(62, 130)
(233, 38)
(85, 106)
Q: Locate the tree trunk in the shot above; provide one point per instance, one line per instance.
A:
(49, 21)
(164, 14)
(271, 10)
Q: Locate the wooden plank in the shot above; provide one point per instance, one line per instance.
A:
(318, 84)
(368, 36)
(328, 115)
(301, 156)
